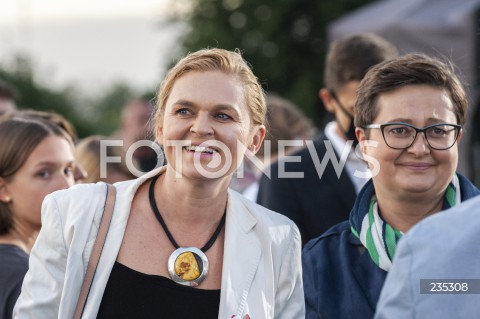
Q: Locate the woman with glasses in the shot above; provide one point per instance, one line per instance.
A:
(408, 116)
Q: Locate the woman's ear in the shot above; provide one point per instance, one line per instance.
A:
(4, 193)
(159, 134)
(360, 134)
(460, 134)
(257, 138)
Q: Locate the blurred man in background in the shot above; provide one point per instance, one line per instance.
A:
(320, 199)
(134, 127)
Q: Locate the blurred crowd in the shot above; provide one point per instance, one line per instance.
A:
(353, 203)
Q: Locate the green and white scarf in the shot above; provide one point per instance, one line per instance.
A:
(378, 237)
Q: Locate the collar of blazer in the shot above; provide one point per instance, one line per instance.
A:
(242, 249)
(242, 252)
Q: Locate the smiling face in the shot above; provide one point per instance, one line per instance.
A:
(48, 168)
(208, 109)
(417, 170)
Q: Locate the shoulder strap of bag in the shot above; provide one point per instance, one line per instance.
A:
(96, 251)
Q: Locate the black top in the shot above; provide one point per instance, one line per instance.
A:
(13, 267)
(132, 294)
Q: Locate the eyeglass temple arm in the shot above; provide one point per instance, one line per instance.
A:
(372, 126)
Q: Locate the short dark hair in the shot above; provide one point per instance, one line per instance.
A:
(410, 69)
(350, 58)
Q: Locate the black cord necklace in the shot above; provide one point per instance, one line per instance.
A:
(187, 265)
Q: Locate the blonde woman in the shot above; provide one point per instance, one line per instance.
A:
(229, 257)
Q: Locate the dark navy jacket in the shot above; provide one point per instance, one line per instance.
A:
(315, 203)
(339, 277)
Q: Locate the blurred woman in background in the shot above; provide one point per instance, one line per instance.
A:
(36, 158)
(287, 129)
(79, 173)
(88, 156)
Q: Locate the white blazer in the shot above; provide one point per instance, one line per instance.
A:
(261, 276)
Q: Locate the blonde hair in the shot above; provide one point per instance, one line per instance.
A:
(229, 62)
(87, 154)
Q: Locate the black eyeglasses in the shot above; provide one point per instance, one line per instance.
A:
(399, 136)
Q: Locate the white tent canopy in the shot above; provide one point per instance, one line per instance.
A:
(442, 28)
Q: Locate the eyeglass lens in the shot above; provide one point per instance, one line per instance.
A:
(440, 136)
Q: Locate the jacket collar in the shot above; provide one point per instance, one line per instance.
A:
(241, 257)
(123, 202)
(364, 269)
(369, 277)
(242, 250)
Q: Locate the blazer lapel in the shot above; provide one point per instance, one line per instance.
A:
(242, 252)
(116, 231)
(368, 276)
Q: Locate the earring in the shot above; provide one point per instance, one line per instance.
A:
(7, 199)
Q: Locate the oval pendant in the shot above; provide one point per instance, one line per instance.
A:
(188, 266)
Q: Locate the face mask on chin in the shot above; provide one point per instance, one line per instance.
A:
(350, 131)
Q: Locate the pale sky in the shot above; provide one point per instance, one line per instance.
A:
(89, 43)
(41, 10)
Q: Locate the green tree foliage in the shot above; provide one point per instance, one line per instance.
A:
(105, 110)
(34, 95)
(284, 40)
